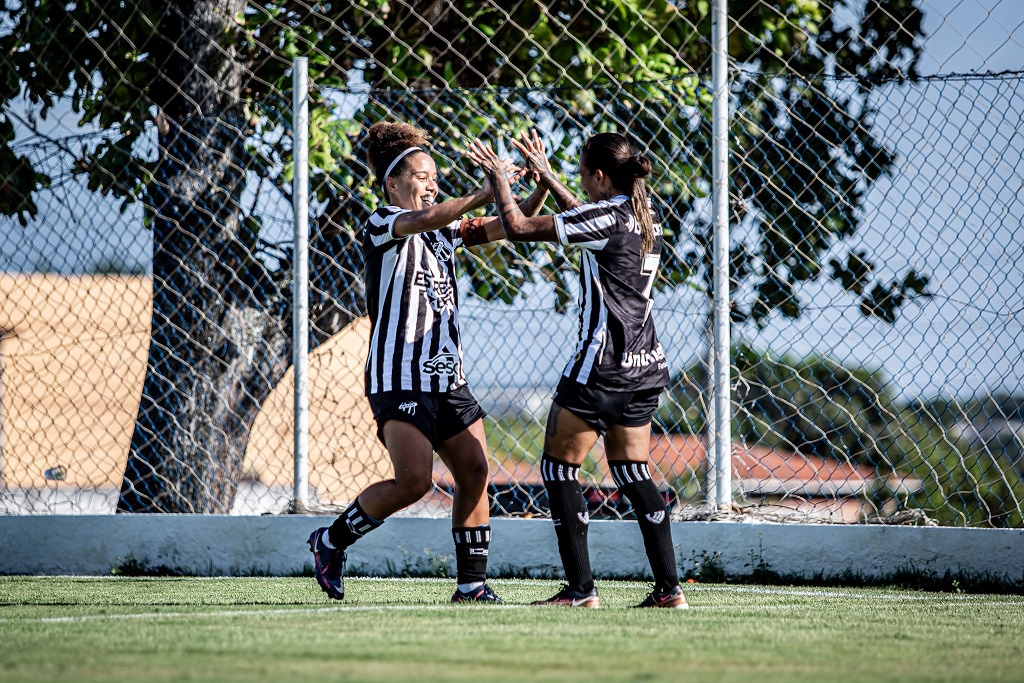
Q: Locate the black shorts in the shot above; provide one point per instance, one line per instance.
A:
(439, 415)
(602, 409)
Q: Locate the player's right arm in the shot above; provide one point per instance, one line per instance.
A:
(536, 159)
(517, 226)
(439, 215)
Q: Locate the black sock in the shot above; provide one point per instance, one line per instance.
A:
(569, 513)
(634, 482)
(350, 526)
(471, 549)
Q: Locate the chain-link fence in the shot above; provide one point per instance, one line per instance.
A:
(875, 203)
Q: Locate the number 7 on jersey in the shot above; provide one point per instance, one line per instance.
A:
(649, 267)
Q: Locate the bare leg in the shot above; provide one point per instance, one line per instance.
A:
(567, 437)
(628, 443)
(412, 456)
(465, 454)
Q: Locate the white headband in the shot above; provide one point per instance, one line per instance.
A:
(391, 167)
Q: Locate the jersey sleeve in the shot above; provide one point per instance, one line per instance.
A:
(588, 226)
(452, 232)
(381, 226)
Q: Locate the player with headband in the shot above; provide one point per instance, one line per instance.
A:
(414, 375)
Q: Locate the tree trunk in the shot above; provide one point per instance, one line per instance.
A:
(221, 329)
(219, 343)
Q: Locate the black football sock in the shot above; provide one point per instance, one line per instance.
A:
(471, 550)
(350, 526)
(569, 513)
(634, 482)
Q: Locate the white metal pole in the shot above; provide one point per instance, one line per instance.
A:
(300, 286)
(720, 488)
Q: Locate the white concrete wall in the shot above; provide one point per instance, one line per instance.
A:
(210, 545)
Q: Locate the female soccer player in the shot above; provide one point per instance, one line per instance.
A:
(611, 385)
(414, 376)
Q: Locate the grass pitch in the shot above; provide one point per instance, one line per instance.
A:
(265, 629)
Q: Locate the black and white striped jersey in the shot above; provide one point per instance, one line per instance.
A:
(618, 347)
(413, 305)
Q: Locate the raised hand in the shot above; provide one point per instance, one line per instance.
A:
(534, 155)
(484, 157)
(492, 165)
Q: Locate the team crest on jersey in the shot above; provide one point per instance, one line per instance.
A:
(442, 365)
(442, 251)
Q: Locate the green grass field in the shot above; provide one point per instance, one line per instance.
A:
(283, 629)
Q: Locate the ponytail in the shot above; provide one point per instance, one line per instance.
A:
(640, 167)
(642, 209)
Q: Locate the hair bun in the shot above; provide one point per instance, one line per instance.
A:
(640, 165)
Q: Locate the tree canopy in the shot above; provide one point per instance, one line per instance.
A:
(192, 101)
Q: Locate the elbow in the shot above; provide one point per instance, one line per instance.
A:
(516, 231)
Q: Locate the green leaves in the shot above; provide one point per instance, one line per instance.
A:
(885, 299)
(804, 153)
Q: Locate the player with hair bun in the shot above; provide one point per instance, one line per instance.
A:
(414, 376)
(612, 384)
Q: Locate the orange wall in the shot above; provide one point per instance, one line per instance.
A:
(72, 361)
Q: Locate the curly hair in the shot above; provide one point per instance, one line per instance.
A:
(615, 155)
(386, 140)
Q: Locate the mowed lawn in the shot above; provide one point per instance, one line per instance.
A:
(283, 629)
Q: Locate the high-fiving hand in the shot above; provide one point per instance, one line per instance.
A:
(534, 155)
(484, 157)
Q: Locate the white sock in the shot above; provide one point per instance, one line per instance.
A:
(467, 587)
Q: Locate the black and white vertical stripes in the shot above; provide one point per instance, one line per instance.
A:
(358, 522)
(480, 534)
(617, 348)
(556, 470)
(625, 472)
(351, 525)
(412, 301)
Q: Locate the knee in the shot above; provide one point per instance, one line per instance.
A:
(473, 475)
(412, 488)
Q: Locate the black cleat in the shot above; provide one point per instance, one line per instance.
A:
(481, 594)
(568, 597)
(674, 599)
(328, 565)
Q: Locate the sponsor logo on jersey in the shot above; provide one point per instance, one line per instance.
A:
(633, 225)
(439, 289)
(656, 517)
(642, 359)
(442, 365)
(408, 407)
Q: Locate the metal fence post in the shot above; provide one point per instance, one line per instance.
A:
(300, 286)
(719, 432)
